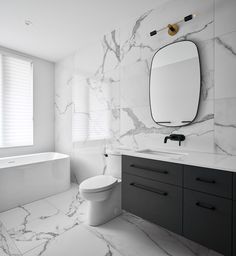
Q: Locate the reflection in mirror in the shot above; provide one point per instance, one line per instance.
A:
(175, 84)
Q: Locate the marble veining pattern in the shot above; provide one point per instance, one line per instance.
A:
(225, 61)
(7, 246)
(130, 45)
(115, 70)
(227, 47)
(225, 126)
(59, 228)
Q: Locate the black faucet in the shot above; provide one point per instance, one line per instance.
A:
(175, 137)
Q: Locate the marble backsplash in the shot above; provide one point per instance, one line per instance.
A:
(113, 74)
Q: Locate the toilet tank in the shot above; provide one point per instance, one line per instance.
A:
(113, 164)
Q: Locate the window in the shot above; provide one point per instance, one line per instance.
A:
(16, 101)
(91, 119)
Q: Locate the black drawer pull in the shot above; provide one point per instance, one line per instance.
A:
(157, 191)
(205, 206)
(148, 169)
(205, 180)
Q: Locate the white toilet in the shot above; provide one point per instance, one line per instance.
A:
(103, 193)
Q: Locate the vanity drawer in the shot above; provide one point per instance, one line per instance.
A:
(208, 220)
(234, 185)
(154, 201)
(234, 231)
(210, 181)
(153, 169)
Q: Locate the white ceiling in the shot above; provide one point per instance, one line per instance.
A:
(62, 26)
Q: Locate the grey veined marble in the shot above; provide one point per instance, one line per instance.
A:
(55, 226)
(225, 126)
(112, 73)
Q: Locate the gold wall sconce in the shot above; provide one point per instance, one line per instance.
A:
(173, 28)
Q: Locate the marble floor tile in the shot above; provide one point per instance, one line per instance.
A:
(65, 233)
(7, 246)
(78, 241)
(169, 242)
(127, 235)
(18, 216)
(70, 203)
(128, 239)
(40, 231)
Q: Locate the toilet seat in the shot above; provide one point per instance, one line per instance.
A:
(98, 183)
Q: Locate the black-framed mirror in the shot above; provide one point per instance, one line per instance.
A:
(175, 81)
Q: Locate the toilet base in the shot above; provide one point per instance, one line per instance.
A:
(101, 212)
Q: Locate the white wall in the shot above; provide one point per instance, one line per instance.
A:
(43, 109)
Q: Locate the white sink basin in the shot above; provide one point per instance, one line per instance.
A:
(167, 154)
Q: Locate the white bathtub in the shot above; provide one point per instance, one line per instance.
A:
(24, 179)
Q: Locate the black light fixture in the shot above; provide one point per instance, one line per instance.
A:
(174, 28)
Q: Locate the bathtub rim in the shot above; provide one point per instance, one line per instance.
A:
(6, 164)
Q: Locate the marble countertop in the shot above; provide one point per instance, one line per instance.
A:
(201, 159)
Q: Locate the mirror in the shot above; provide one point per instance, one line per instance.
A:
(175, 84)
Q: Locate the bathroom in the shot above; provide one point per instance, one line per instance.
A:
(86, 166)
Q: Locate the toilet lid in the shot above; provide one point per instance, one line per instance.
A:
(98, 183)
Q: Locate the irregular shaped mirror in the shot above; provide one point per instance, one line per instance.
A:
(175, 84)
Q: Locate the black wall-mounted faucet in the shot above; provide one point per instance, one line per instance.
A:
(175, 137)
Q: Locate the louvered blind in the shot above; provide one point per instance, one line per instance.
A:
(16, 101)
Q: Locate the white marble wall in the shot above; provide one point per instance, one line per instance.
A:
(116, 69)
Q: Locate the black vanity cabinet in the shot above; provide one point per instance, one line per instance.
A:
(234, 217)
(207, 220)
(152, 169)
(198, 203)
(234, 187)
(210, 181)
(154, 201)
(149, 190)
(234, 231)
(208, 207)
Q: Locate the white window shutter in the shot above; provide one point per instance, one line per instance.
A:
(16, 101)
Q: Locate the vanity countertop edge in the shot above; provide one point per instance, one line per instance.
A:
(199, 159)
